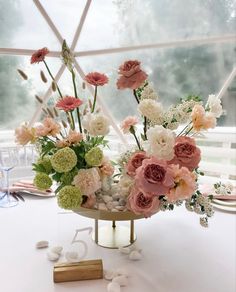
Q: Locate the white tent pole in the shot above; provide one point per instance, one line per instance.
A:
(104, 108)
(48, 20)
(80, 26)
(174, 44)
(227, 83)
(46, 96)
(25, 52)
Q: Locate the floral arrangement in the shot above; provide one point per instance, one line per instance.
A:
(159, 173)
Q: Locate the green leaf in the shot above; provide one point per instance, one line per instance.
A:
(57, 176)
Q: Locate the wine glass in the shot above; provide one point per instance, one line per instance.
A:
(8, 160)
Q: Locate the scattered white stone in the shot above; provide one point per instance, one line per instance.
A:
(107, 198)
(115, 203)
(57, 249)
(135, 255)
(120, 208)
(113, 287)
(125, 250)
(121, 280)
(52, 256)
(114, 210)
(122, 272)
(116, 196)
(102, 206)
(122, 202)
(72, 256)
(42, 244)
(110, 205)
(109, 274)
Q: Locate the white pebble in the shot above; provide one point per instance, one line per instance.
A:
(109, 275)
(115, 203)
(102, 206)
(52, 256)
(110, 205)
(72, 256)
(107, 198)
(42, 244)
(116, 196)
(114, 210)
(113, 287)
(122, 272)
(120, 208)
(121, 280)
(57, 249)
(135, 255)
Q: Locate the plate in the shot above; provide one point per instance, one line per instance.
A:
(224, 202)
(225, 208)
(49, 195)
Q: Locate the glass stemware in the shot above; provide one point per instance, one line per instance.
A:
(8, 160)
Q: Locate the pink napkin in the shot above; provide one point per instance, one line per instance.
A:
(209, 190)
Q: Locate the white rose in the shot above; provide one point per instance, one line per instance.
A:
(97, 125)
(149, 93)
(150, 109)
(214, 105)
(161, 142)
(125, 184)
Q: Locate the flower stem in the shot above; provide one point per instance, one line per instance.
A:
(145, 128)
(188, 131)
(184, 129)
(72, 121)
(76, 95)
(49, 72)
(132, 131)
(95, 98)
(135, 95)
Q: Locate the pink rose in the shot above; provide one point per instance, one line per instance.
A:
(135, 162)
(186, 153)
(154, 176)
(89, 201)
(131, 75)
(141, 203)
(185, 184)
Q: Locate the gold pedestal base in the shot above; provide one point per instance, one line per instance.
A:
(114, 236)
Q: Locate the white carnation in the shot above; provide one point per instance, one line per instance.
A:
(96, 125)
(150, 109)
(161, 142)
(214, 105)
(149, 93)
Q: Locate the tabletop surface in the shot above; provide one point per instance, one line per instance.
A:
(178, 254)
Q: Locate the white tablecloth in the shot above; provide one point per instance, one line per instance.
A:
(178, 254)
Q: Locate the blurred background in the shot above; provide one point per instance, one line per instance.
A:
(175, 71)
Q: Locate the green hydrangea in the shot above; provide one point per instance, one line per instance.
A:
(68, 177)
(69, 197)
(94, 156)
(42, 181)
(46, 163)
(64, 160)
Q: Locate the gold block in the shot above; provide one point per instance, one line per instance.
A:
(85, 270)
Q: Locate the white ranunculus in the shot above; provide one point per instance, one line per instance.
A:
(125, 184)
(214, 105)
(150, 109)
(161, 142)
(97, 125)
(149, 93)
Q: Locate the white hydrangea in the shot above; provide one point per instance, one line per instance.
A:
(150, 109)
(215, 105)
(149, 93)
(125, 184)
(96, 124)
(161, 142)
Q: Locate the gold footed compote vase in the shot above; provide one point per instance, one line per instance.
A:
(112, 235)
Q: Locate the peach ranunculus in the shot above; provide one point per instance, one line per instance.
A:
(185, 184)
(186, 153)
(202, 120)
(62, 143)
(39, 55)
(90, 201)
(87, 180)
(106, 168)
(96, 79)
(74, 137)
(142, 203)
(48, 128)
(128, 123)
(131, 75)
(154, 176)
(135, 161)
(25, 134)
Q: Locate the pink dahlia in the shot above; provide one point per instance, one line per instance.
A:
(39, 55)
(154, 176)
(131, 75)
(96, 79)
(142, 203)
(186, 153)
(68, 103)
